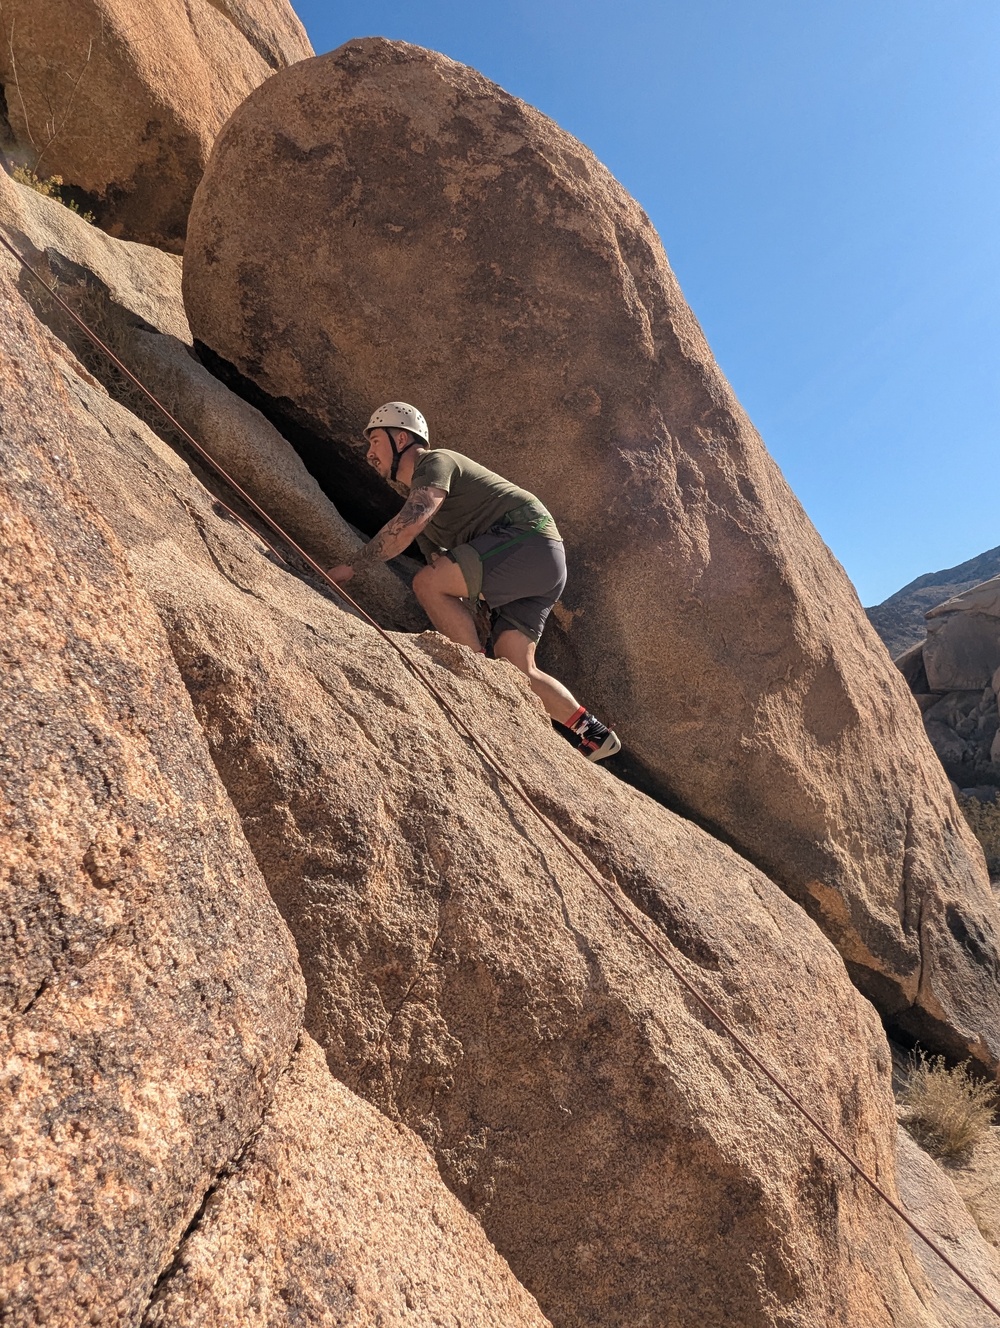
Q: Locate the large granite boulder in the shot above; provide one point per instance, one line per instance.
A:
(151, 993)
(336, 1215)
(466, 978)
(130, 293)
(165, 1130)
(382, 223)
(123, 100)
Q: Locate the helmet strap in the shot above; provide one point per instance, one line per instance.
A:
(397, 452)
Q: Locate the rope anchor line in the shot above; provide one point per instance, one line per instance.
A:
(607, 889)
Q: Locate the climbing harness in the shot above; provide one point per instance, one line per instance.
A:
(609, 891)
(534, 529)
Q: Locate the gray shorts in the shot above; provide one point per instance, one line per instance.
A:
(520, 583)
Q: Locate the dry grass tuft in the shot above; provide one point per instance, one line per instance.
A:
(50, 187)
(984, 819)
(947, 1111)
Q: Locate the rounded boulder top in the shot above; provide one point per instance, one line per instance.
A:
(382, 223)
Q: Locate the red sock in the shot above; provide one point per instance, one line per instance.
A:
(575, 718)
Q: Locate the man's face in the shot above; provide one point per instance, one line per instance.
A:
(379, 455)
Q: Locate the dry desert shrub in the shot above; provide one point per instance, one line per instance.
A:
(984, 819)
(947, 1111)
(50, 187)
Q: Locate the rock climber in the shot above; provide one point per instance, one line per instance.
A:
(484, 539)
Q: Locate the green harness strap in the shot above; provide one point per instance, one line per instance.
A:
(533, 529)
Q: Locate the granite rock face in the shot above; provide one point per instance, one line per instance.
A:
(962, 650)
(934, 1202)
(451, 246)
(954, 675)
(336, 1216)
(151, 993)
(131, 292)
(123, 98)
(152, 1103)
(467, 980)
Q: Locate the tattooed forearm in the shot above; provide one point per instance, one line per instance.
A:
(403, 529)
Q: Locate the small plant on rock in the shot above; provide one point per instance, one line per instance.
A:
(50, 188)
(947, 1111)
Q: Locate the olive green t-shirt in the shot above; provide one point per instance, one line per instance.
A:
(477, 499)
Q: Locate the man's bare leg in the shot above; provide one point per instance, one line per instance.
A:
(440, 588)
(519, 649)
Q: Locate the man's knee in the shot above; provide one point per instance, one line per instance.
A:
(423, 581)
(442, 577)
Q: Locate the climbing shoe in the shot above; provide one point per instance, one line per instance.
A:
(596, 740)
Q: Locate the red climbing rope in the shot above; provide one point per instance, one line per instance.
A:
(607, 890)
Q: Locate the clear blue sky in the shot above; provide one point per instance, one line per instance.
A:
(824, 175)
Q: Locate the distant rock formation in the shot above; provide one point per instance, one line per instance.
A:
(955, 676)
(384, 223)
(899, 620)
(123, 99)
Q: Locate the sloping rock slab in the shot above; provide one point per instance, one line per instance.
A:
(410, 230)
(336, 1216)
(123, 100)
(935, 1204)
(65, 248)
(150, 991)
(150, 994)
(132, 298)
(468, 980)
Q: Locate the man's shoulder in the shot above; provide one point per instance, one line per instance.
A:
(435, 465)
(446, 454)
(437, 456)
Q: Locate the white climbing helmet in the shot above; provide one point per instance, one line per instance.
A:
(399, 415)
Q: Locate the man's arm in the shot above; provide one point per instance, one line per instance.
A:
(397, 534)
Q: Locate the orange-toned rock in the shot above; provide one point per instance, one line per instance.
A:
(336, 1215)
(383, 223)
(934, 1202)
(151, 996)
(135, 296)
(150, 991)
(469, 981)
(123, 98)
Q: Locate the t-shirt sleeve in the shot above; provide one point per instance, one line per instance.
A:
(434, 468)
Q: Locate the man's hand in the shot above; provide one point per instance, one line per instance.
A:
(341, 574)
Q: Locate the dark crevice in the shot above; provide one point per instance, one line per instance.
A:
(42, 989)
(174, 1265)
(359, 495)
(7, 138)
